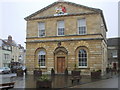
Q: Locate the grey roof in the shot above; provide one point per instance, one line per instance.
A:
(4, 43)
(77, 39)
(13, 42)
(113, 41)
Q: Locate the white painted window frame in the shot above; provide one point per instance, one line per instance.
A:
(86, 58)
(42, 52)
(62, 27)
(80, 25)
(39, 29)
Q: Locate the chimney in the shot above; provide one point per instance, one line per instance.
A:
(9, 39)
(60, 0)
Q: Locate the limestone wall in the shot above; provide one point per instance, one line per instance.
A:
(94, 54)
(92, 24)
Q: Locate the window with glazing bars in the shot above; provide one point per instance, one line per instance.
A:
(82, 56)
(41, 58)
(41, 29)
(81, 26)
(60, 27)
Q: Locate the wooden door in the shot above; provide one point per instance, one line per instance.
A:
(60, 64)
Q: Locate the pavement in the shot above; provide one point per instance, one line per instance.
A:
(61, 81)
(106, 83)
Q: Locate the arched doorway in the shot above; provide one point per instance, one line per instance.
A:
(60, 62)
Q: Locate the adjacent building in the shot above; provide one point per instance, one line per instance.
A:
(11, 52)
(5, 53)
(22, 54)
(15, 49)
(66, 35)
(113, 46)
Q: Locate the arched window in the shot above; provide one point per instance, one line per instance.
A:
(82, 57)
(41, 58)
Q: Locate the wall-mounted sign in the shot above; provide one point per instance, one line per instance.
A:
(60, 10)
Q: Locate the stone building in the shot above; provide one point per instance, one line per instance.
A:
(22, 52)
(113, 52)
(5, 54)
(15, 49)
(18, 51)
(66, 35)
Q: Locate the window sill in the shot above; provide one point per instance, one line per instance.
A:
(43, 67)
(83, 67)
(82, 34)
(60, 35)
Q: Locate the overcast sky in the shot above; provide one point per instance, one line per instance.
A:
(13, 12)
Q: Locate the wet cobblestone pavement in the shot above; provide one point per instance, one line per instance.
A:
(106, 83)
(29, 81)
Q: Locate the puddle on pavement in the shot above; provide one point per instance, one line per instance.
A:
(29, 81)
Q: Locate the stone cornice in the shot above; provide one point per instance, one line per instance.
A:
(95, 11)
(69, 3)
(62, 36)
(67, 36)
(76, 39)
(71, 14)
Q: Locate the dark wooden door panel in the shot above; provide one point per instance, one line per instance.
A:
(60, 64)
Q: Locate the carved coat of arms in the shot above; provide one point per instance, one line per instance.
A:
(60, 9)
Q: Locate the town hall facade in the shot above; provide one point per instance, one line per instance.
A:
(66, 35)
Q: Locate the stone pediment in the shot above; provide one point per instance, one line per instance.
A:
(62, 8)
(60, 50)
